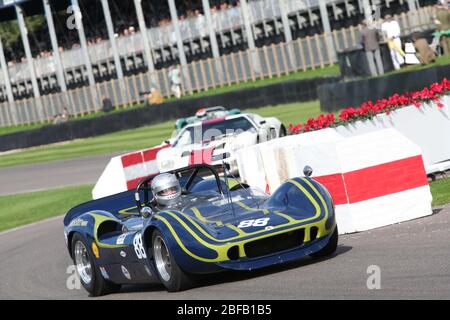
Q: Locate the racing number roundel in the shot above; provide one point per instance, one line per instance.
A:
(139, 247)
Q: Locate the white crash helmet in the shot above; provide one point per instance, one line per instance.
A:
(166, 189)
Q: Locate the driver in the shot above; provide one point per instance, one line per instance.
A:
(166, 190)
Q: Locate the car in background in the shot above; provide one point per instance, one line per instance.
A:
(205, 114)
(199, 142)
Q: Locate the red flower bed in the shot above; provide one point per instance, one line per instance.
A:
(370, 109)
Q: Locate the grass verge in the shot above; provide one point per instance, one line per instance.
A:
(440, 190)
(22, 209)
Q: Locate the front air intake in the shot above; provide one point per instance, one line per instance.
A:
(274, 244)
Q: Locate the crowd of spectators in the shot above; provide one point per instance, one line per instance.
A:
(156, 13)
(123, 13)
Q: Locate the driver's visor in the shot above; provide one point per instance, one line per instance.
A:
(168, 192)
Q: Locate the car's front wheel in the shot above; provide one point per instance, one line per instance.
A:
(88, 270)
(169, 273)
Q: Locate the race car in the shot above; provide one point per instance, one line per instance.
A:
(220, 224)
(205, 114)
(199, 142)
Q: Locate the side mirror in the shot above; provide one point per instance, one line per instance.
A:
(307, 171)
(146, 212)
(263, 122)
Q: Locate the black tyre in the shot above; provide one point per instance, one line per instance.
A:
(283, 131)
(88, 270)
(330, 248)
(169, 273)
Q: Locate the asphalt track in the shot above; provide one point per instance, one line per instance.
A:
(413, 257)
(51, 175)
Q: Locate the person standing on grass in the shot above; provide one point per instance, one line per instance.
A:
(175, 81)
(442, 21)
(370, 40)
(107, 105)
(392, 31)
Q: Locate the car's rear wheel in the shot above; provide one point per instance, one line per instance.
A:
(169, 273)
(330, 248)
(88, 270)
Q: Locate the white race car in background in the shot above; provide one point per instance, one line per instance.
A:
(200, 142)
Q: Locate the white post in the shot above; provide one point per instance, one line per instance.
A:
(285, 20)
(144, 33)
(212, 33)
(112, 38)
(249, 35)
(55, 47)
(367, 9)
(176, 25)
(9, 93)
(83, 42)
(327, 28)
(248, 25)
(28, 55)
(4, 67)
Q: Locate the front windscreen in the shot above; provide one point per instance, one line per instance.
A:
(213, 130)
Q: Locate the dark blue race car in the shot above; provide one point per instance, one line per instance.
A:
(221, 224)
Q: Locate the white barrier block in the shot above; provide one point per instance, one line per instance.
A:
(112, 180)
(374, 178)
(427, 126)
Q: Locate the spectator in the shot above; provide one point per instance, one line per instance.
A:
(61, 117)
(200, 23)
(65, 115)
(442, 21)
(107, 105)
(370, 41)
(155, 97)
(175, 81)
(392, 31)
(424, 53)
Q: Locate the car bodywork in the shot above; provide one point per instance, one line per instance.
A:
(199, 142)
(221, 225)
(205, 114)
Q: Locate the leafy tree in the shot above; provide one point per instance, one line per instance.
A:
(10, 33)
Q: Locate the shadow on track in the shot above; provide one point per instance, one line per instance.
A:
(236, 276)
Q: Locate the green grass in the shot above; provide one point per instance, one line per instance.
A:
(22, 209)
(440, 61)
(440, 190)
(332, 70)
(140, 138)
(8, 130)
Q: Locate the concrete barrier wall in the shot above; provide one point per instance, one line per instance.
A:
(427, 126)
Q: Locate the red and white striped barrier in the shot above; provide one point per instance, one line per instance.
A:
(124, 172)
(375, 179)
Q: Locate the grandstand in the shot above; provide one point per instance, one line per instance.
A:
(182, 35)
